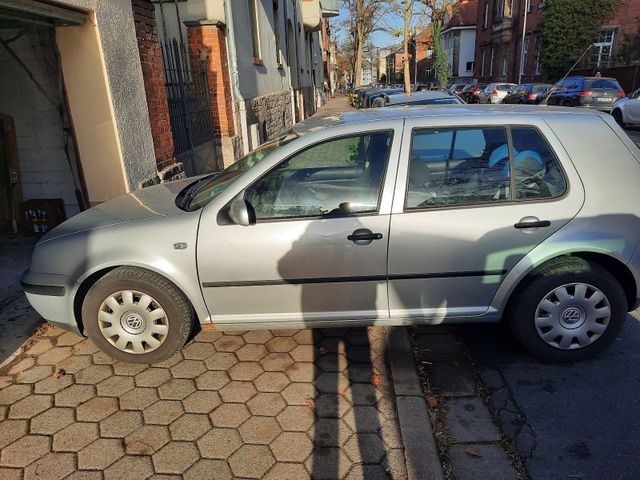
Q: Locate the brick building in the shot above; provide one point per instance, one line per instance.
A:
(499, 42)
(102, 97)
(420, 59)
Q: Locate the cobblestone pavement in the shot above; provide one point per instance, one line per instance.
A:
(260, 404)
(17, 319)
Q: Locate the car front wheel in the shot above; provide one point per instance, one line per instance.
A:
(137, 316)
(569, 309)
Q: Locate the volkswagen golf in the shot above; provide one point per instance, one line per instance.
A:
(394, 216)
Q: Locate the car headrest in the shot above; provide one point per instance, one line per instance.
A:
(499, 153)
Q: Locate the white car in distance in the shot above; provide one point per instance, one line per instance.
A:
(626, 111)
(495, 92)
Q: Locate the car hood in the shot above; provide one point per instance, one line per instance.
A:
(150, 202)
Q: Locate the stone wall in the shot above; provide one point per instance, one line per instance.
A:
(272, 113)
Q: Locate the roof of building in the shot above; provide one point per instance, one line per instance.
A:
(466, 14)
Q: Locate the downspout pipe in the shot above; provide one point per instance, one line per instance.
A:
(235, 77)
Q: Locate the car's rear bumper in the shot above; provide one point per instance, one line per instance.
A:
(49, 295)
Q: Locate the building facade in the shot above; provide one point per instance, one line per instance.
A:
(503, 53)
(459, 41)
(103, 97)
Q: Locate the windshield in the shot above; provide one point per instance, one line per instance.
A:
(199, 193)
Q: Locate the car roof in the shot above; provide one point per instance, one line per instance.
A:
(411, 112)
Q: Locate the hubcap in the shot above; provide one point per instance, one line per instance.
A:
(133, 322)
(572, 316)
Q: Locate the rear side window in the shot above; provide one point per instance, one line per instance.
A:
(536, 170)
(467, 166)
(458, 167)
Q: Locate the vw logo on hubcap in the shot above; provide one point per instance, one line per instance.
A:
(132, 323)
(572, 317)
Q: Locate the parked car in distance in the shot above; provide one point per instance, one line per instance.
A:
(367, 221)
(456, 88)
(470, 93)
(529, 93)
(626, 111)
(417, 98)
(597, 93)
(371, 95)
(495, 92)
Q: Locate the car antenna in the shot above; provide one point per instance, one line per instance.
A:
(574, 65)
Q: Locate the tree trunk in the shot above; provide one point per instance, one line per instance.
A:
(407, 74)
(359, 42)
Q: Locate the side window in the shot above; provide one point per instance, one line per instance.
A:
(336, 177)
(458, 167)
(536, 170)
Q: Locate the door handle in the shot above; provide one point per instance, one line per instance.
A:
(364, 235)
(533, 224)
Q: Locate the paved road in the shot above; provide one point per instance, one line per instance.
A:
(570, 421)
(634, 133)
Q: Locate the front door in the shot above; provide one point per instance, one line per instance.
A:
(470, 203)
(317, 250)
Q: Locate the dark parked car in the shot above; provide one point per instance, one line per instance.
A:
(470, 93)
(417, 98)
(530, 93)
(597, 93)
(456, 88)
(369, 97)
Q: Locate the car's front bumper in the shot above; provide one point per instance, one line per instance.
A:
(50, 296)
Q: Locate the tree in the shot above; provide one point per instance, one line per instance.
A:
(440, 62)
(415, 15)
(383, 78)
(362, 20)
(569, 28)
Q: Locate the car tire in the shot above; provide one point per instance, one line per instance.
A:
(153, 319)
(570, 320)
(617, 116)
(567, 103)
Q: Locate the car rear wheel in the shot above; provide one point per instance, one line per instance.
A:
(617, 116)
(137, 316)
(567, 310)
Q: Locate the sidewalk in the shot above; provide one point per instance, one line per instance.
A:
(17, 319)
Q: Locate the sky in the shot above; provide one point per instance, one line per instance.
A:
(379, 39)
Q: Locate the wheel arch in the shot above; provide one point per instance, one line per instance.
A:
(613, 265)
(91, 278)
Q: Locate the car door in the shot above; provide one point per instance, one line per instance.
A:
(317, 250)
(457, 228)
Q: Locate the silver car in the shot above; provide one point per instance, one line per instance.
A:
(389, 216)
(495, 92)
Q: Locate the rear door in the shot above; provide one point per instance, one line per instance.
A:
(471, 201)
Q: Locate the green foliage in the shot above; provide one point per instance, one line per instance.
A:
(383, 78)
(569, 27)
(440, 63)
(629, 50)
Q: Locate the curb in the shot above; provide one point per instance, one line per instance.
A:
(420, 449)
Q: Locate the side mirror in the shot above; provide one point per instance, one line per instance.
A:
(239, 212)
